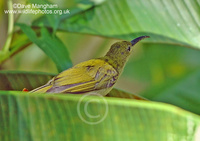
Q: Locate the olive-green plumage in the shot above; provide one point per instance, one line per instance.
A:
(92, 76)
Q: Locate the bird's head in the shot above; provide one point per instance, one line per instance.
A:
(120, 51)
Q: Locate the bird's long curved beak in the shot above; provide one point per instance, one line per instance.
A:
(134, 41)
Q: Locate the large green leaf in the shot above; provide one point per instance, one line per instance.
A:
(122, 94)
(51, 45)
(184, 92)
(174, 22)
(75, 117)
(17, 80)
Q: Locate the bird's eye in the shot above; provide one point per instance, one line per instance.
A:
(129, 48)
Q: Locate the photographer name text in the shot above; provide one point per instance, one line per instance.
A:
(43, 6)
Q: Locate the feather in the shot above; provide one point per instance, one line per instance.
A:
(96, 74)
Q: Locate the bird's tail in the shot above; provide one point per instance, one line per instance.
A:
(42, 89)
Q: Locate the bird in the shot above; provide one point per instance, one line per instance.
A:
(95, 76)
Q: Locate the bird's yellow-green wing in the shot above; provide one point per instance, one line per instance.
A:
(87, 76)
